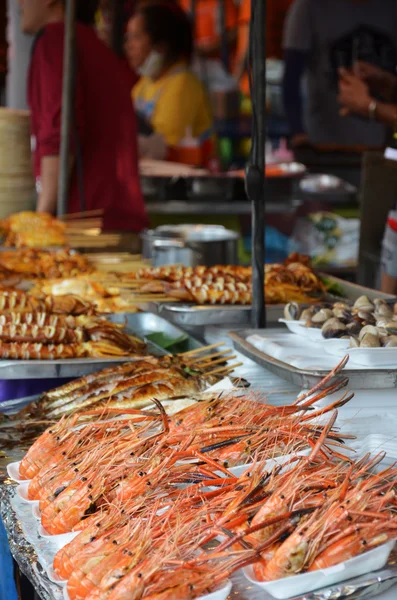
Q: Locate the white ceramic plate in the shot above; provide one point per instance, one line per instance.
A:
(13, 472)
(301, 584)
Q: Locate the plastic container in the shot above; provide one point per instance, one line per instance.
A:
(302, 584)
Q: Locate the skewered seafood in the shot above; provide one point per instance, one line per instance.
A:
(34, 230)
(233, 285)
(102, 298)
(33, 263)
(41, 336)
(368, 324)
(17, 301)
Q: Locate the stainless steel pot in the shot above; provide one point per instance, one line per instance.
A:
(190, 245)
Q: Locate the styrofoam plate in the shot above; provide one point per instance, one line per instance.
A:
(220, 594)
(297, 327)
(52, 576)
(60, 540)
(374, 357)
(22, 492)
(313, 334)
(13, 472)
(36, 511)
(301, 584)
(337, 347)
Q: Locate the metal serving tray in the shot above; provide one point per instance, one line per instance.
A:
(305, 379)
(192, 315)
(26, 544)
(139, 324)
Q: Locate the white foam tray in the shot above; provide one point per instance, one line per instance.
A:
(307, 582)
(305, 354)
(13, 472)
(220, 594)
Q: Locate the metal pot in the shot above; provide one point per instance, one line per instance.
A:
(190, 245)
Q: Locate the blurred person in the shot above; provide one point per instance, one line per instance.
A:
(172, 100)
(208, 26)
(320, 38)
(371, 92)
(103, 142)
(276, 12)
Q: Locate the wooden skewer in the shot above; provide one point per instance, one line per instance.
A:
(217, 362)
(210, 358)
(203, 349)
(84, 224)
(85, 213)
(225, 371)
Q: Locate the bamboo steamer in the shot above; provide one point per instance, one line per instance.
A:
(17, 185)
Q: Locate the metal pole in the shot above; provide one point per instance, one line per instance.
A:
(118, 26)
(255, 174)
(67, 104)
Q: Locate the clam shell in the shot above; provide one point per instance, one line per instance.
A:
(333, 328)
(369, 340)
(371, 329)
(364, 303)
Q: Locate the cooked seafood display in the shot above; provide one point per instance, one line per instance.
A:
(367, 323)
(33, 230)
(103, 298)
(146, 493)
(33, 263)
(135, 383)
(227, 284)
(18, 303)
(42, 336)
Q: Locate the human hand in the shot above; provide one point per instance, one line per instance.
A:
(378, 79)
(353, 95)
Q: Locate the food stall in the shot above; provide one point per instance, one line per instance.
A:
(183, 460)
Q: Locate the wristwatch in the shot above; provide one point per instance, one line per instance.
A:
(372, 110)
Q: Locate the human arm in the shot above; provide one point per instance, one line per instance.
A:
(47, 201)
(48, 81)
(378, 80)
(297, 43)
(354, 97)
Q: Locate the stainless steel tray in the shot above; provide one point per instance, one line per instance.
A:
(25, 555)
(359, 379)
(140, 324)
(192, 315)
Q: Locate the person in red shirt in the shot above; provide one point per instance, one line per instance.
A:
(103, 141)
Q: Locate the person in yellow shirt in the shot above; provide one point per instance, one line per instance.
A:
(168, 96)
